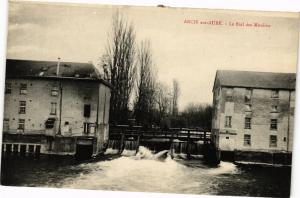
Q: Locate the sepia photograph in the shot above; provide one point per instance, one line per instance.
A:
(149, 99)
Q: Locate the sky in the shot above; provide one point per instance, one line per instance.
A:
(191, 52)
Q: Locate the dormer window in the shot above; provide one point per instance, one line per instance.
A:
(229, 93)
(274, 94)
(248, 95)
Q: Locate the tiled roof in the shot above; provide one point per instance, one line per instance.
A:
(32, 68)
(252, 79)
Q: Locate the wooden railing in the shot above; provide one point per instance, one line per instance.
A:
(184, 134)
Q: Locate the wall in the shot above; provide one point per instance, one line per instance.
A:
(103, 126)
(232, 138)
(75, 94)
(38, 104)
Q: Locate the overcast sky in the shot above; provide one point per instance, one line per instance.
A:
(190, 53)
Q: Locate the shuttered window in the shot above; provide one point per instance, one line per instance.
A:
(228, 121)
(247, 140)
(273, 141)
(87, 110)
(247, 123)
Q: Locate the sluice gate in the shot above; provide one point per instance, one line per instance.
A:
(182, 142)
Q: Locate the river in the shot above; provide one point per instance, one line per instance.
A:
(146, 174)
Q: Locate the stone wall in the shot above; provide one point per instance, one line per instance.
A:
(261, 113)
(75, 95)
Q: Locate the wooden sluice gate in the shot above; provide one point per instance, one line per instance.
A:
(183, 141)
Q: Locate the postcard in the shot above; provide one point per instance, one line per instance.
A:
(149, 99)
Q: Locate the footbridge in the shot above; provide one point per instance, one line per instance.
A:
(183, 141)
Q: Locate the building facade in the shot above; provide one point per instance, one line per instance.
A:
(56, 107)
(253, 111)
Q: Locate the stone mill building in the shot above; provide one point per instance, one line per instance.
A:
(55, 107)
(253, 115)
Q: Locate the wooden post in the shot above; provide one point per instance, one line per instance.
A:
(171, 145)
(204, 140)
(121, 143)
(137, 143)
(188, 154)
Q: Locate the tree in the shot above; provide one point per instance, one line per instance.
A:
(118, 64)
(145, 85)
(163, 102)
(197, 115)
(175, 96)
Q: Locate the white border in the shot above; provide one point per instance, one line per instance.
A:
(270, 5)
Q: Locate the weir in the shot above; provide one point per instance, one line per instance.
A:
(181, 142)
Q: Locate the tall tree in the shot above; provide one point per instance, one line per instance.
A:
(118, 64)
(145, 85)
(175, 96)
(163, 100)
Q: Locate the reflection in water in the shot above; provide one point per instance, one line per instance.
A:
(149, 173)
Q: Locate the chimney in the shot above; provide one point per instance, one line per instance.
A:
(57, 68)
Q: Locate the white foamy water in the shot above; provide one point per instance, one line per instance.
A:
(223, 168)
(111, 151)
(144, 172)
(147, 172)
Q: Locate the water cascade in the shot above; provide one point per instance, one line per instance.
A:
(113, 147)
(148, 171)
(181, 149)
(130, 148)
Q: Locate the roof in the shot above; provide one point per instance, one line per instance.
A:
(251, 79)
(47, 69)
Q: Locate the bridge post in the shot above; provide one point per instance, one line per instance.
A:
(188, 154)
(171, 145)
(121, 142)
(137, 143)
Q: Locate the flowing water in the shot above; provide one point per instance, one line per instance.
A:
(147, 172)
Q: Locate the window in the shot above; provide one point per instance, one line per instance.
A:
(247, 123)
(23, 89)
(229, 93)
(273, 141)
(248, 95)
(86, 127)
(22, 107)
(53, 108)
(247, 140)
(228, 121)
(54, 91)
(8, 88)
(273, 124)
(248, 107)
(274, 108)
(274, 94)
(87, 110)
(6, 124)
(21, 125)
(49, 124)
